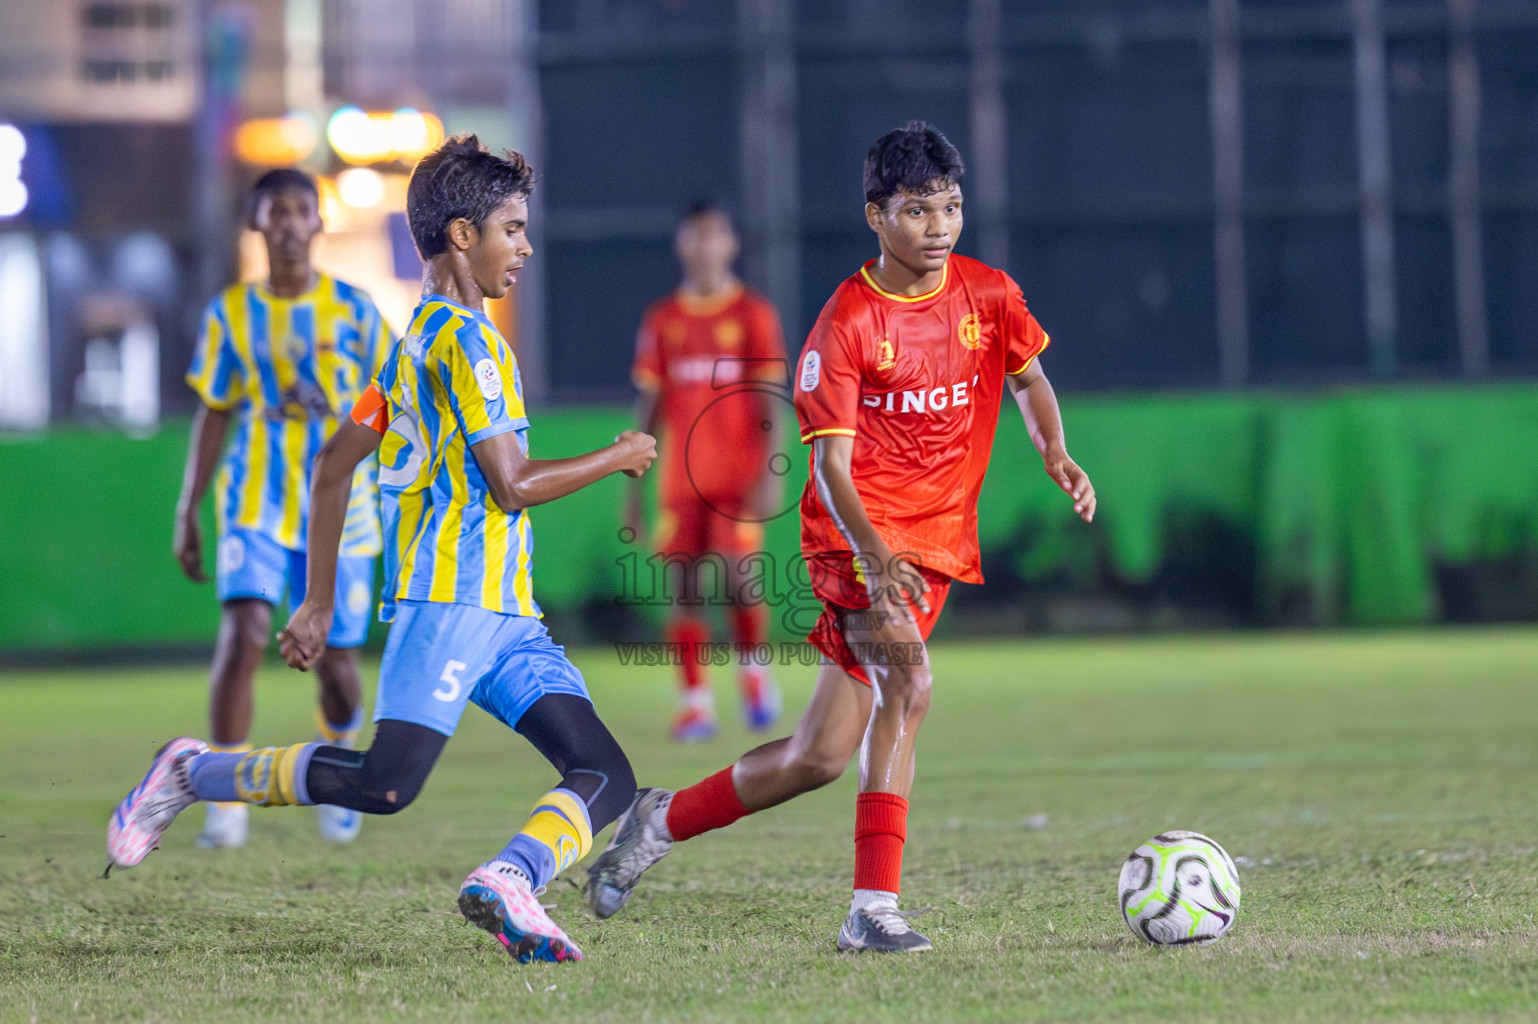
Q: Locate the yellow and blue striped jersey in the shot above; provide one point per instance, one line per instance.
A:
(451, 383)
(287, 369)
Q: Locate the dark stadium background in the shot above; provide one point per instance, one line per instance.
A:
(1287, 252)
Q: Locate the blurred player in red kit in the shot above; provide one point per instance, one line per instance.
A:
(699, 353)
(898, 392)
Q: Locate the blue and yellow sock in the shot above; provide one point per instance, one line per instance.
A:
(236, 749)
(269, 776)
(344, 735)
(556, 836)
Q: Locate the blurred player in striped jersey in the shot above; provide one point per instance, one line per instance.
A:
(446, 415)
(281, 360)
(698, 353)
(898, 393)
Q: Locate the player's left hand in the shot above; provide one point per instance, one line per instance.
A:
(1074, 482)
(303, 640)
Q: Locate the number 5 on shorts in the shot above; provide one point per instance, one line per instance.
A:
(449, 691)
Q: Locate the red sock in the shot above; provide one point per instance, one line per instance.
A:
(749, 623)
(880, 827)
(689, 634)
(709, 803)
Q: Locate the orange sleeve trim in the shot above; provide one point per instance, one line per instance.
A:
(371, 410)
(646, 380)
(1046, 340)
(842, 431)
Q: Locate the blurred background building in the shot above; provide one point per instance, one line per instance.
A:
(1198, 196)
(1193, 192)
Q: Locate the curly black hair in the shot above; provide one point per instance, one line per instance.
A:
(916, 159)
(281, 179)
(461, 178)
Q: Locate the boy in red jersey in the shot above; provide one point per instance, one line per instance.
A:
(898, 392)
(698, 354)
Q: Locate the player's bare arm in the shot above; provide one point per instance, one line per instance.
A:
(894, 585)
(303, 640)
(209, 429)
(647, 411)
(517, 482)
(1038, 406)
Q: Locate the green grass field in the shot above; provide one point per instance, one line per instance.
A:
(1381, 790)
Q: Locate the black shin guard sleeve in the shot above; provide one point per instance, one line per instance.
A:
(382, 779)
(567, 730)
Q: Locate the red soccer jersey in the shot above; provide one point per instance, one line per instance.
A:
(917, 382)
(700, 356)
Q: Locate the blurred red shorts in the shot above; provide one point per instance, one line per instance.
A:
(693, 528)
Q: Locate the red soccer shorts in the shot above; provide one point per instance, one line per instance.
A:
(693, 528)
(841, 590)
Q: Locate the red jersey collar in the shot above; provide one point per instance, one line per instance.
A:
(945, 278)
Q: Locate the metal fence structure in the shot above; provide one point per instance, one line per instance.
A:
(1191, 193)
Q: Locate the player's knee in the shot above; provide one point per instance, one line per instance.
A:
(908, 688)
(248, 623)
(337, 670)
(394, 796)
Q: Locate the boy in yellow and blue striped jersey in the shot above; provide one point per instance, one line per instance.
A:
(446, 415)
(279, 361)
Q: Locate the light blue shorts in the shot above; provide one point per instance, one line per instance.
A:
(251, 564)
(442, 656)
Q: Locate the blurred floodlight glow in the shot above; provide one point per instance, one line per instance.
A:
(13, 197)
(366, 137)
(361, 187)
(414, 134)
(357, 137)
(13, 193)
(13, 146)
(275, 141)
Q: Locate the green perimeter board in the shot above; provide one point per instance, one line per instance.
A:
(1350, 498)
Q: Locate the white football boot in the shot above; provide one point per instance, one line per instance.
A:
(338, 824)
(150, 807)
(879, 927)
(227, 826)
(496, 897)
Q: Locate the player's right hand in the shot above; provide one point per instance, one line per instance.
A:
(900, 591)
(303, 640)
(640, 451)
(187, 545)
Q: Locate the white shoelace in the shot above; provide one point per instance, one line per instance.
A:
(514, 871)
(889, 919)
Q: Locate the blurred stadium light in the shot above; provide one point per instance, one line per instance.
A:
(1194, 192)
(13, 191)
(23, 335)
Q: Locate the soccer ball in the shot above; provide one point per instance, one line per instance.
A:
(1179, 888)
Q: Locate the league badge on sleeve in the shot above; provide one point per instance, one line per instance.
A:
(811, 371)
(488, 379)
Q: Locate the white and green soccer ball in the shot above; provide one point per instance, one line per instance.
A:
(1179, 888)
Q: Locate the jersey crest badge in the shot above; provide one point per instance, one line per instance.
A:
(970, 331)
(729, 334)
(887, 357)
